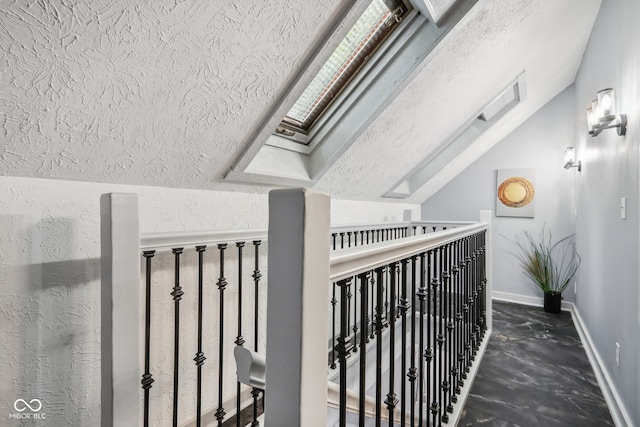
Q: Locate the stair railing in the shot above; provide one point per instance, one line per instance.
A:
(238, 260)
(430, 292)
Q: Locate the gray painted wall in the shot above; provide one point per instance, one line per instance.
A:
(538, 143)
(608, 298)
(608, 295)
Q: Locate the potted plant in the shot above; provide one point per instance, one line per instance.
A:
(550, 266)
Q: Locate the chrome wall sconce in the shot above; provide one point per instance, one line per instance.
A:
(601, 114)
(570, 159)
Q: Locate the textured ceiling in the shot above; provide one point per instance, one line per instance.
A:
(168, 93)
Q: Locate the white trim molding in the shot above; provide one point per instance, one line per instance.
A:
(617, 409)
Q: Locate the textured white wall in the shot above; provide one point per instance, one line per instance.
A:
(50, 274)
(539, 143)
(608, 297)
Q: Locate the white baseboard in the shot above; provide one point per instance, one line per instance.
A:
(526, 300)
(617, 409)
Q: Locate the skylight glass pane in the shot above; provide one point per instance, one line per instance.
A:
(361, 41)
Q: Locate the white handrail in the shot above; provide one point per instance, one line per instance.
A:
(349, 262)
(174, 239)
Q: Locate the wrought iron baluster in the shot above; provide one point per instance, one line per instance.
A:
(334, 302)
(177, 296)
(437, 317)
(333, 239)
(364, 281)
(413, 371)
(257, 275)
(391, 400)
(467, 314)
(239, 339)
(343, 348)
(200, 358)
(355, 315)
(447, 329)
(421, 294)
(461, 310)
(432, 333)
(147, 378)
(222, 285)
(455, 257)
(348, 238)
(342, 240)
(403, 307)
(373, 309)
(380, 325)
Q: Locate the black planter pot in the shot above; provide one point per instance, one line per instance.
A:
(552, 302)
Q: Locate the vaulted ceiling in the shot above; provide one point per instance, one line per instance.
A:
(170, 93)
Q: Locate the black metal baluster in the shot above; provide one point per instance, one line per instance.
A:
(386, 298)
(333, 239)
(391, 400)
(177, 296)
(373, 308)
(222, 285)
(455, 257)
(467, 307)
(342, 240)
(463, 283)
(256, 281)
(147, 378)
(422, 294)
(474, 284)
(361, 237)
(439, 338)
(398, 293)
(348, 238)
(380, 325)
(343, 348)
(432, 379)
(483, 297)
(355, 315)
(334, 302)
(349, 295)
(200, 358)
(403, 306)
(413, 372)
(447, 329)
(239, 339)
(364, 282)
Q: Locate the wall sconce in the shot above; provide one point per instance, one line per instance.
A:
(570, 159)
(601, 114)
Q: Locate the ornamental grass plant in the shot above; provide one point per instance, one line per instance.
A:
(550, 266)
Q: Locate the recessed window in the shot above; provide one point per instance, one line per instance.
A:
(365, 37)
(375, 50)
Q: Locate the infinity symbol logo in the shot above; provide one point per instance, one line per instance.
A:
(37, 405)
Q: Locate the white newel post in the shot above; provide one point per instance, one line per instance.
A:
(298, 297)
(487, 216)
(120, 312)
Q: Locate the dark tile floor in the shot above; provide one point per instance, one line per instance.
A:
(535, 372)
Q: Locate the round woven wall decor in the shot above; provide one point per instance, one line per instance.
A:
(515, 192)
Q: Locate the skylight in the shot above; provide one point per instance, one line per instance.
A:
(364, 38)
